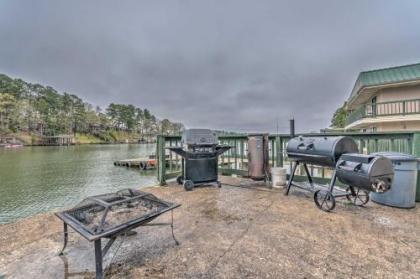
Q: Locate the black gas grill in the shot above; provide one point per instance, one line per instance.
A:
(200, 152)
(111, 215)
(362, 173)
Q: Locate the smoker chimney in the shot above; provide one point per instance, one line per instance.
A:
(292, 128)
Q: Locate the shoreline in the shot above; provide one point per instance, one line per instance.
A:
(89, 143)
(108, 137)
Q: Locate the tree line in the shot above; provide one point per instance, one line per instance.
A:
(42, 110)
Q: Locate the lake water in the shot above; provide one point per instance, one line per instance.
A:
(40, 179)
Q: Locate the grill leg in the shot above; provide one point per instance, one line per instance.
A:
(182, 169)
(98, 259)
(308, 175)
(172, 227)
(332, 182)
(66, 237)
(292, 175)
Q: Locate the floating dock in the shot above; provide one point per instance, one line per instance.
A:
(141, 163)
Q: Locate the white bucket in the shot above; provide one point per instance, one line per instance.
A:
(279, 177)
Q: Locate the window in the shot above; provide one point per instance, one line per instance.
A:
(373, 103)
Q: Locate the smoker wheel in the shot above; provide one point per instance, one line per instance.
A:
(324, 200)
(180, 180)
(360, 198)
(188, 185)
(219, 184)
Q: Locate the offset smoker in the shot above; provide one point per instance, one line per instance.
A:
(200, 154)
(360, 172)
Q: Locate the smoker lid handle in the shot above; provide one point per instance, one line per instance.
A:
(306, 147)
(347, 168)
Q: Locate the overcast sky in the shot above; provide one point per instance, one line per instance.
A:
(233, 65)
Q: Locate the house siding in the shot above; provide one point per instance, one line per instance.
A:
(398, 94)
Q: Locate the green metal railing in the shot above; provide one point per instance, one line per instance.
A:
(405, 107)
(235, 160)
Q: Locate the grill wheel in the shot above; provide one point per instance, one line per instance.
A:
(324, 200)
(360, 198)
(180, 180)
(188, 185)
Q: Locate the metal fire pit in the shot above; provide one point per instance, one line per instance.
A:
(111, 215)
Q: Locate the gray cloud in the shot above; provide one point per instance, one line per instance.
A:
(235, 65)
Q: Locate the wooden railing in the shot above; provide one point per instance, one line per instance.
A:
(235, 160)
(405, 107)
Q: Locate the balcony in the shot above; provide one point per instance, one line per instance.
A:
(385, 109)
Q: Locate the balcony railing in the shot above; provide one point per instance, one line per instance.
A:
(405, 107)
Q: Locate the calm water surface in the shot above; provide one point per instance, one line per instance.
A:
(39, 179)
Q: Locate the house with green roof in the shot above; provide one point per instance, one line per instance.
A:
(385, 100)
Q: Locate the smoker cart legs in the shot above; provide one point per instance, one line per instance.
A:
(308, 175)
(292, 175)
(325, 198)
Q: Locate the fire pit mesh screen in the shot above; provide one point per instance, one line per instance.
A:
(104, 212)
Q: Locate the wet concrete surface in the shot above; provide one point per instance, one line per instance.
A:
(233, 232)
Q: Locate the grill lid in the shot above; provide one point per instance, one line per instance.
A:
(356, 157)
(199, 137)
(323, 151)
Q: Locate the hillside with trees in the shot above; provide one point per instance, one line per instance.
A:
(33, 111)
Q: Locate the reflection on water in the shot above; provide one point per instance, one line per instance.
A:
(39, 179)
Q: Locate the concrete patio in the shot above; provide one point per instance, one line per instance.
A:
(243, 230)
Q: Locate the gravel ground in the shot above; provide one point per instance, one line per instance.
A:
(233, 232)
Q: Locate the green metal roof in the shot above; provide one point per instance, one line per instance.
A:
(390, 75)
(386, 76)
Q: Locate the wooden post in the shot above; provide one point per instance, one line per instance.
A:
(235, 152)
(242, 147)
(279, 149)
(416, 152)
(160, 156)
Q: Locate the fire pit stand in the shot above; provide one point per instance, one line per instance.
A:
(112, 215)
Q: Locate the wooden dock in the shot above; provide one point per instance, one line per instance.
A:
(140, 163)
